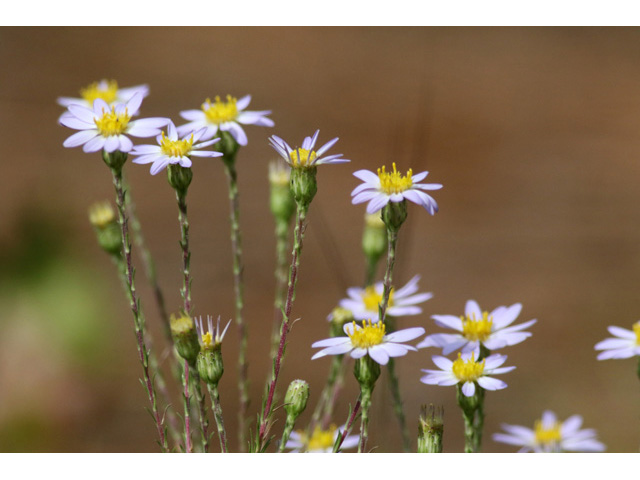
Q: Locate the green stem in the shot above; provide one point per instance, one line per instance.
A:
(327, 394)
(286, 433)
(185, 291)
(238, 284)
(365, 404)
(282, 242)
(392, 237)
(188, 447)
(473, 415)
(217, 413)
(394, 386)
(138, 318)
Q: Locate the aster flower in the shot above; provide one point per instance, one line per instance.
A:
(625, 345)
(469, 372)
(106, 127)
(320, 441)
(106, 90)
(387, 187)
(369, 339)
(364, 302)
(171, 150)
(210, 337)
(477, 327)
(224, 116)
(305, 156)
(549, 435)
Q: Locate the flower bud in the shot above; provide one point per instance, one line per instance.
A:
(114, 160)
(295, 400)
(430, 429)
(366, 371)
(210, 366)
(303, 185)
(374, 237)
(394, 214)
(185, 337)
(338, 317)
(105, 224)
(282, 203)
(179, 178)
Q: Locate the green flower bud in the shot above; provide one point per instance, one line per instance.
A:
(105, 224)
(179, 178)
(394, 214)
(295, 400)
(304, 185)
(374, 237)
(185, 337)
(430, 429)
(210, 366)
(114, 160)
(282, 204)
(339, 316)
(227, 146)
(366, 371)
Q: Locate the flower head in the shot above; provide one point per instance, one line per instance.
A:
(106, 127)
(392, 186)
(225, 116)
(369, 339)
(625, 345)
(550, 435)
(106, 90)
(320, 441)
(364, 302)
(468, 371)
(478, 327)
(173, 150)
(306, 156)
(210, 337)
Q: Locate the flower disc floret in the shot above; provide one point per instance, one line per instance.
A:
(220, 112)
(369, 335)
(302, 157)
(320, 440)
(176, 148)
(394, 182)
(547, 435)
(112, 123)
(475, 329)
(467, 370)
(306, 156)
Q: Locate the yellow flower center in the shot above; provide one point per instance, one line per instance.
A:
(372, 299)
(180, 325)
(176, 148)
(394, 182)
(98, 90)
(112, 123)
(467, 370)
(220, 112)
(369, 335)
(322, 439)
(477, 329)
(207, 340)
(547, 436)
(301, 157)
(636, 329)
(101, 214)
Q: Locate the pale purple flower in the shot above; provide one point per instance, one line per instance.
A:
(305, 156)
(106, 90)
(625, 345)
(320, 441)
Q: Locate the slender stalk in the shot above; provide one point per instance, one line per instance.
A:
(394, 386)
(282, 242)
(325, 404)
(138, 318)
(365, 401)
(301, 216)
(286, 433)
(238, 285)
(348, 426)
(473, 415)
(217, 413)
(188, 447)
(392, 237)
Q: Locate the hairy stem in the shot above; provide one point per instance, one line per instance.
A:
(388, 275)
(188, 447)
(217, 413)
(365, 401)
(282, 242)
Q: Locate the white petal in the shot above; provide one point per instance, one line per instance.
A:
(80, 138)
(468, 389)
(489, 383)
(448, 321)
(472, 310)
(379, 354)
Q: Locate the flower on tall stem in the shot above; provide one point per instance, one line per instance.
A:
(306, 156)
(364, 302)
(550, 435)
(626, 343)
(320, 440)
(369, 339)
(478, 328)
(224, 116)
(384, 187)
(466, 370)
(106, 90)
(107, 127)
(172, 150)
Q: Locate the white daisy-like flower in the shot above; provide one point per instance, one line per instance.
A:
(172, 150)
(369, 339)
(106, 90)
(477, 327)
(106, 127)
(468, 371)
(305, 156)
(549, 435)
(224, 116)
(625, 345)
(320, 441)
(387, 187)
(364, 302)
(210, 337)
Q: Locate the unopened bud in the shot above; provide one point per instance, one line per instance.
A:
(374, 237)
(185, 337)
(105, 224)
(430, 429)
(338, 318)
(295, 400)
(282, 203)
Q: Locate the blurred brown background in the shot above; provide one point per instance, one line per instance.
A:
(533, 132)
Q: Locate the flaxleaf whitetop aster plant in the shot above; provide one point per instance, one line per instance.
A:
(626, 343)
(107, 127)
(466, 370)
(549, 435)
(369, 339)
(106, 90)
(384, 187)
(225, 116)
(306, 156)
(173, 150)
(363, 303)
(477, 327)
